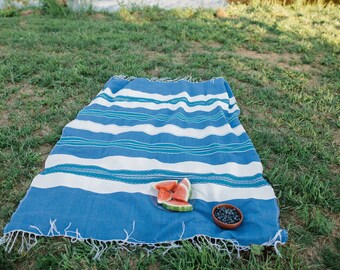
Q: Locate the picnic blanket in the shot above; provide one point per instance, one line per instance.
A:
(97, 181)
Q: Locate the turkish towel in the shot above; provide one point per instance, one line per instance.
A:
(97, 181)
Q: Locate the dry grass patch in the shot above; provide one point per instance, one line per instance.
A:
(154, 72)
(214, 44)
(98, 16)
(4, 119)
(197, 47)
(153, 55)
(3, 51)
(284, 60)
(337, 137)
(26, 12)
(43, 150)
(179, 58)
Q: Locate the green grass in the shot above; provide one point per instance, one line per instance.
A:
(282, 64)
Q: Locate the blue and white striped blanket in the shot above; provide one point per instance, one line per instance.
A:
(97, 179)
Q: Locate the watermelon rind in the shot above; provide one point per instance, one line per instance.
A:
(177, 194)
(163, 184)
(171, 205)
(185, 181)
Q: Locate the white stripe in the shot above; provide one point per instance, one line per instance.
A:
(138, 94)
(153, 106)
(152, 130)
(145, 164)
(206, 192)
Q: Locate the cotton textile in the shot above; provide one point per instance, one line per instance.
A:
(97, 181)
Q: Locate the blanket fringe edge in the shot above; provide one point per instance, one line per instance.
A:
(165, 79)
(29, 240)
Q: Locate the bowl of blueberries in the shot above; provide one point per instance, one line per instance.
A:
(227, 216)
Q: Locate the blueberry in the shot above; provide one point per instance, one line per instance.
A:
(227, 215)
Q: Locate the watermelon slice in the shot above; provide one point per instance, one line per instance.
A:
(178, 206)
(165, 185)
(163, 196)
(175, 187)
(182, 193)
(186, 182)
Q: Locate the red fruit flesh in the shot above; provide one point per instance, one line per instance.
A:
(163, 196)
(166, 185)
(182, 193)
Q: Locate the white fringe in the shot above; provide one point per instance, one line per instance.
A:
(166, 79)
(274, 242)
(28, 240)
(53, 228)
(129, 244)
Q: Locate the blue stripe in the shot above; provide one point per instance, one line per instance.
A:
(162, 137)
(108, 216)
(156, 120)
(166, 112)
(132, 117)
(144, 177)
(221, 157)
(159, 147)
(130, 121)
(214, 159)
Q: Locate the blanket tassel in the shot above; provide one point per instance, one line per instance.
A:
(29, 240)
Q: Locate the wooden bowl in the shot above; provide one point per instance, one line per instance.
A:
(223, 225)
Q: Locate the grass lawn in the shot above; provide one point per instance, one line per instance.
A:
(282, 64)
